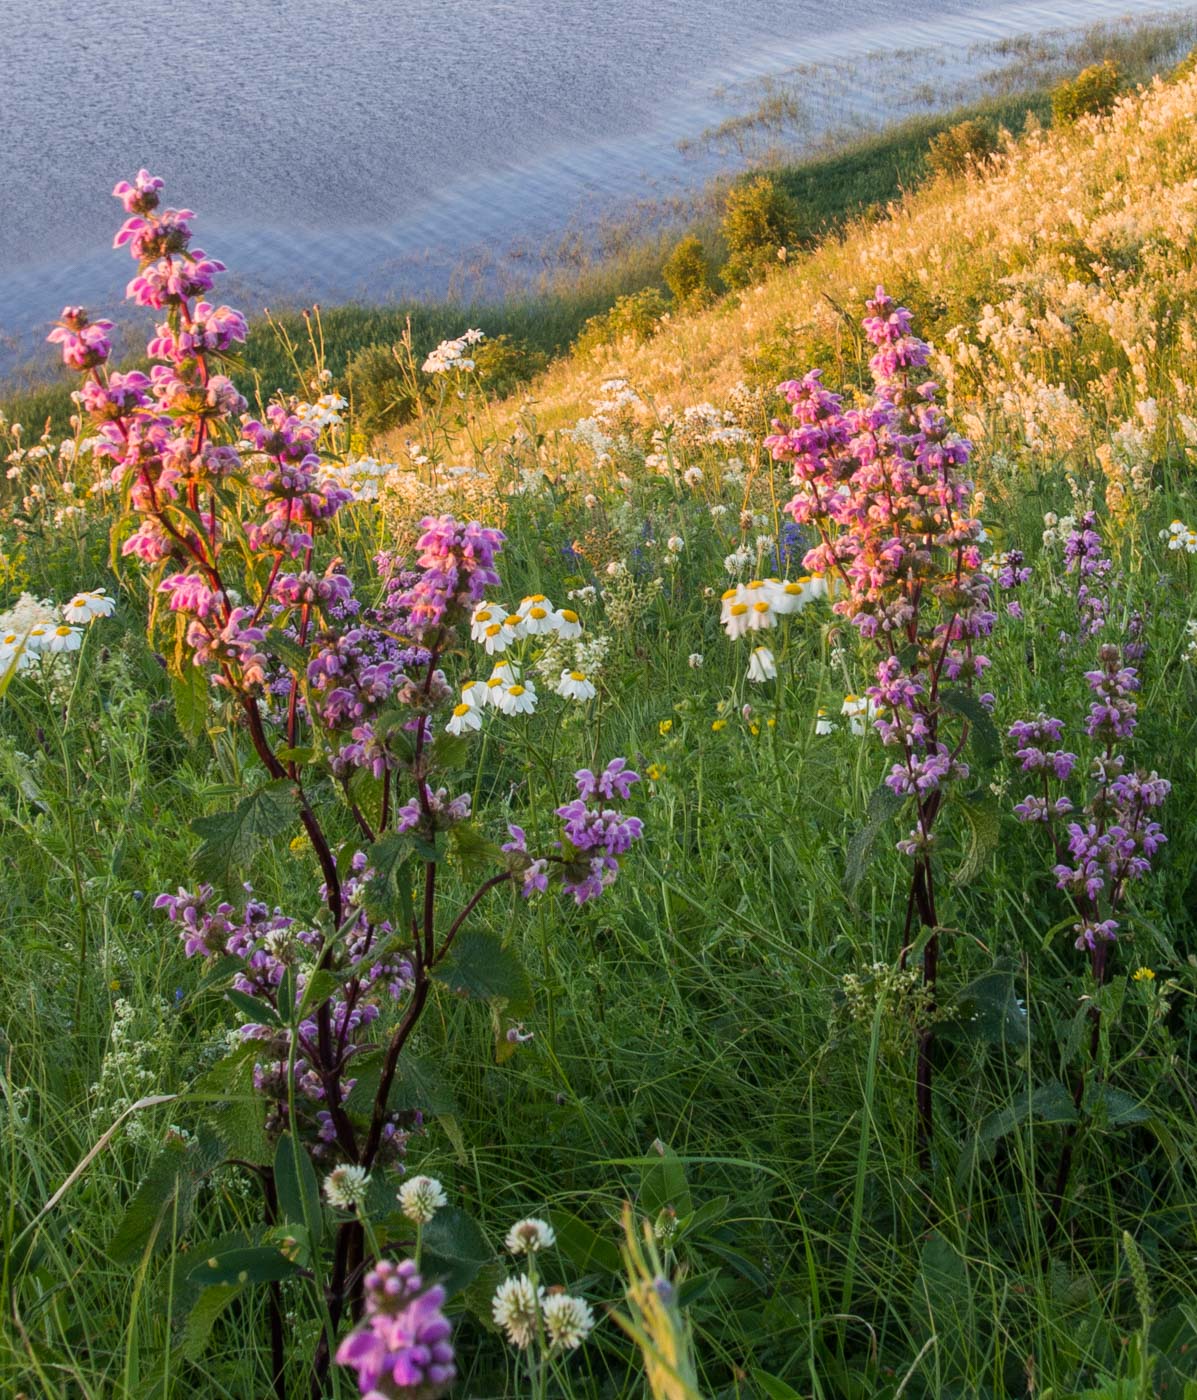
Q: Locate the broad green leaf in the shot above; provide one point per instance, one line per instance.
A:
(583, 1246)
(774, 1387)
(983, 816)
(161, 1206)
(227, 1100)
(883, 804)
(297, 1187)
(203, 1316)
(989, 1009)
(984, 742)
(241, 1264)
(388, 892)
(259, 1012)
(417, 1085)
(454, 1249)
(1118, 1108)
(230, 839)
(191, 691)
(468, 845)
(663, 1182)
(479, 966)
(287, 650)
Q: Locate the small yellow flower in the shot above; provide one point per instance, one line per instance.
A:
(655, 772)
(772, 721)
(754, 729)
(664, 727)
(1144, 974)
(718, 724)
(115, 985)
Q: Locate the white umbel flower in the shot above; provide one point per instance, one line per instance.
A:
(530, 1236)
(420, 1197)
(345, 1187)
(761, 666)
(515, 1308)
(574, 685)
(463, 719)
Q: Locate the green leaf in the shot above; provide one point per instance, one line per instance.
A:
(204, 1315)
(583, 1246)
(297, 1188)
(883, 804)
(191, 696)
(984, 740)
(239, 1264)
(235, 1110)
(417, 1085)
(774, 1387)
(989, 1009)
(454, 1249)
(983, 816)
(663, 1182)
(479, 966)
(230, 839)
(287, 650)
(470, 847)
(388, 892)
(259, 1012)
(161, 1206)
(1118, 1108)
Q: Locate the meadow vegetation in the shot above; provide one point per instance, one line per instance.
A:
(706, 833)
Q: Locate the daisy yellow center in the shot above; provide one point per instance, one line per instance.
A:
(739, 609)
(569, 615)
(516, 690)
(538, 613)
(577, 675)
(459, 710)
(514, 620)
(62, 631)
(762, 606)
(493, 630)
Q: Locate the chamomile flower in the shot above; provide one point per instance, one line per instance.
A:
(567, 624)
(496, 637)
(482, 618)
(574, 685)
(474, 693)
(518, 699)
(737, 620)
(761, 666)
(790, 595)
(420, 1197)
(345, 1187)
(824, 724)
(83, 607)
(760, 614)
(538, 620)
(63, 638)
(465, 717)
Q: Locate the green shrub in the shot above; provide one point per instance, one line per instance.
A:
(954, 150)
(759, 219)
(1093, 90)
(636, 315)
(687, 272)
(381, 397)
(503, 364)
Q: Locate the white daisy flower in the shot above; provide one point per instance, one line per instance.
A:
(567, 624)
(83, 607)
(518, 700)
(761, 666)
(482, 617)
(463, 719)
(574, 685)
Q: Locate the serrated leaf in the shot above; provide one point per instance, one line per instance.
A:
(1116, 1106)
(883, 804)
(203, 1316)
(480, 966)
(161, 1205)
(286, 649)
(230, 839)
(241, 1264)
(388, 892)
(983, 817)
(454, 1249)
(259, 1012)
(417, 1085)
(297, 1188)
(984, 741)
(191, 695)
(232, 1106)
(471, 847)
